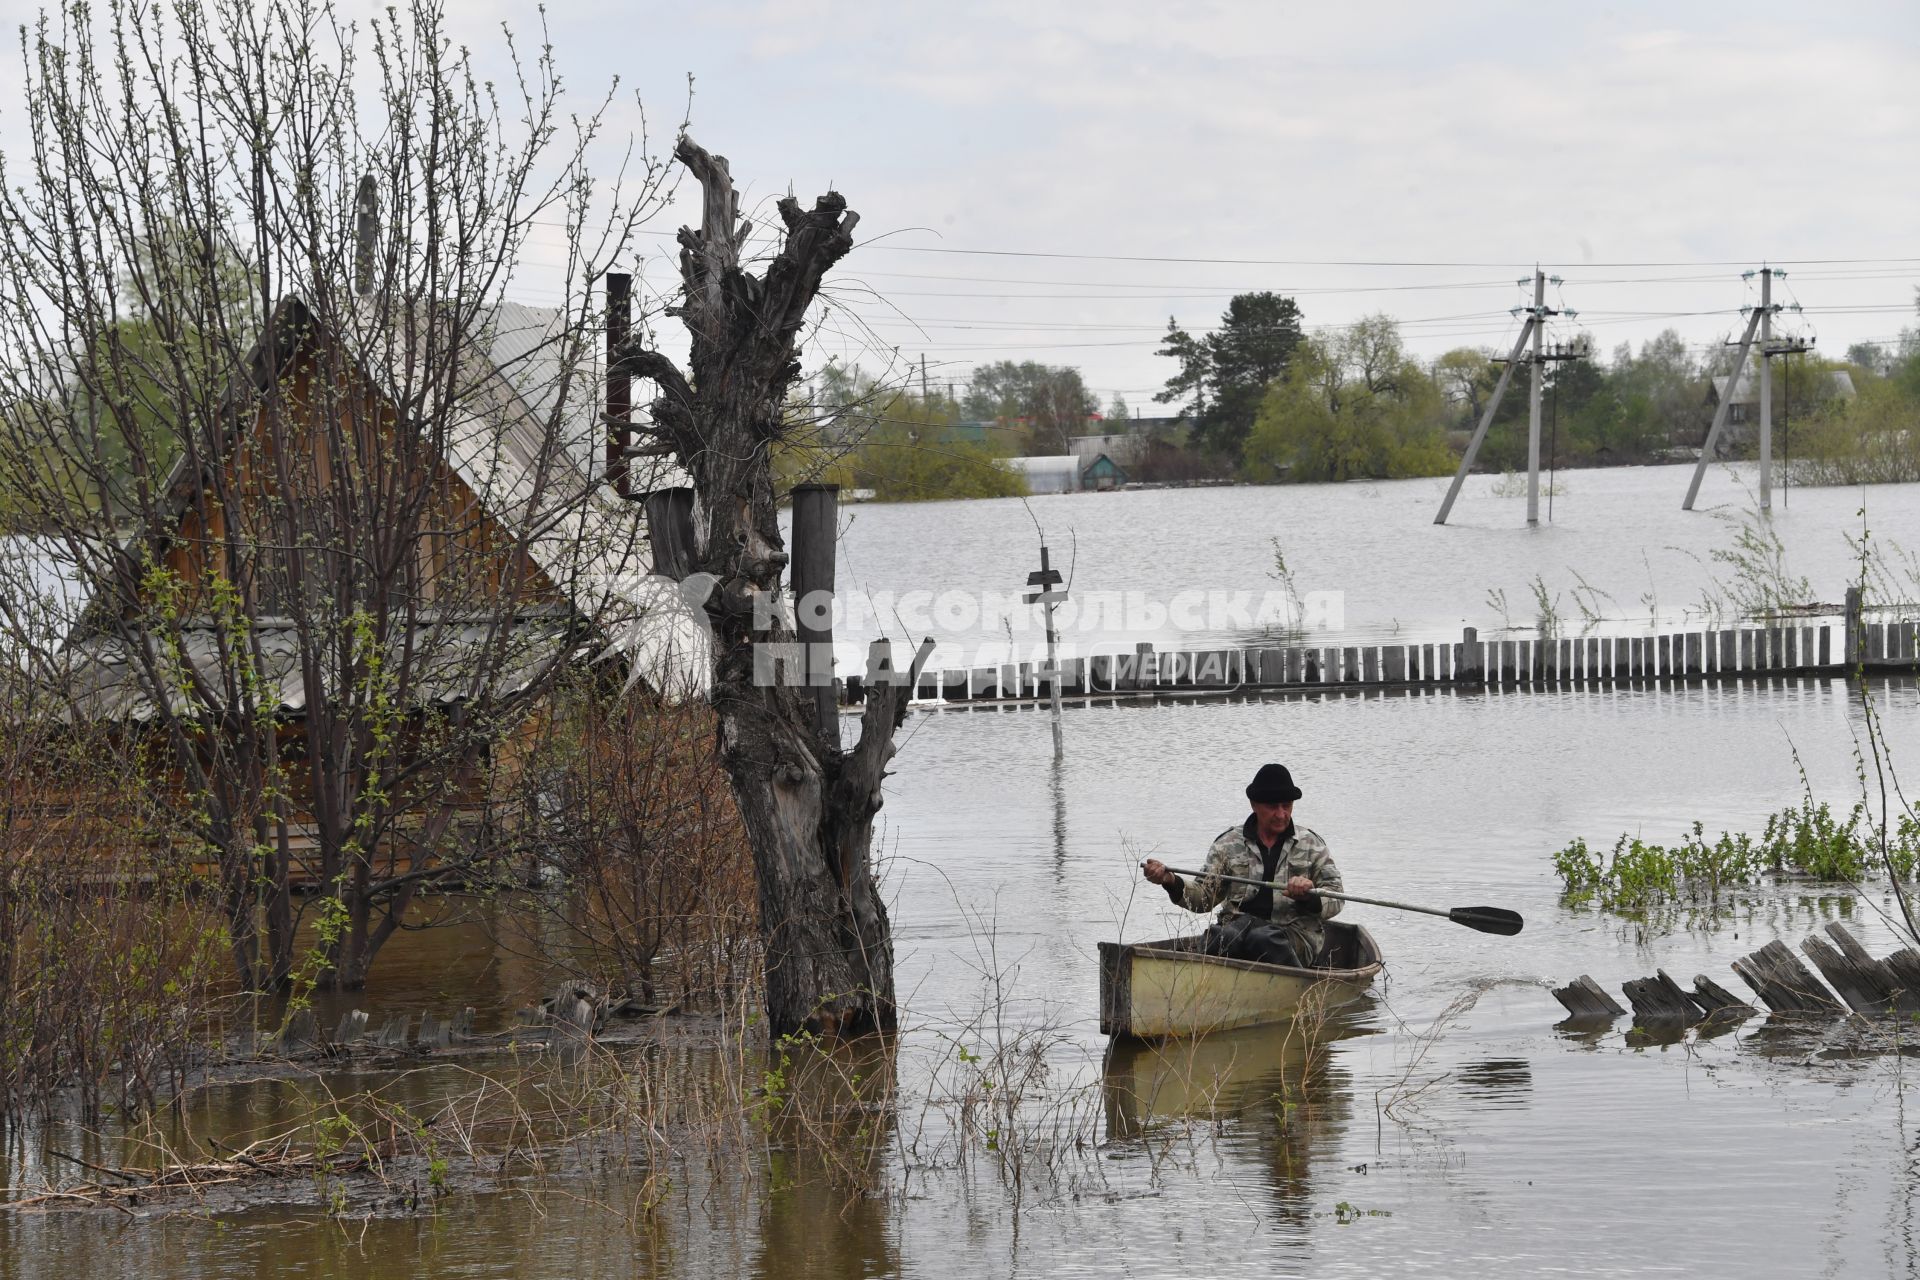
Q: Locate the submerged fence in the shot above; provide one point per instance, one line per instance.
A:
(1836, 645)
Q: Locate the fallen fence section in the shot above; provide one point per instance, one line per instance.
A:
(1864, 984)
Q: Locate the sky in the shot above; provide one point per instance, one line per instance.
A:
(1053, 181)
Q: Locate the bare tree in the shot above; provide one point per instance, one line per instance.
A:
(808, 806)
(263, 387)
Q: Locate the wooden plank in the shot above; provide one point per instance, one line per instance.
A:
(1428, 654)
(353, 1025)
(1692, 659)
(1729, 660)
(1585, 998)
(1785, 984)
(1904, 966)
(435, 1033)
(301, 1033)
(1717, 1000)
(1826, 645)
(1790, 648)
(1660, 999)
(1746, 649)
(1393, 664)
(1370, 665)
(1863, 982)
(1349, 666)
(1268, 666)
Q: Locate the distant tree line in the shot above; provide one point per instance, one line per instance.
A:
(1262, 400)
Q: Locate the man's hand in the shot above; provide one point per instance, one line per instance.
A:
(1299, 887)
(1156, 872)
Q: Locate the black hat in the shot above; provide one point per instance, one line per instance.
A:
(1272, 785)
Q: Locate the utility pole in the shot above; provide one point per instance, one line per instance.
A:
(1766, 388)
(1759, 321)
(1795, 344)
(1533, 401)
(1046, 581)
(1532, 333)
(923, 378)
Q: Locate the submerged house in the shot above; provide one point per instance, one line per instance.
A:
(1790, 398)
(393, 582)
(1068, 472)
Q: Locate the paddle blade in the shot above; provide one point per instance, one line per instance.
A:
(1488, 919)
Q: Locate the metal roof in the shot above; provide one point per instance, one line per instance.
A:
(109, 681)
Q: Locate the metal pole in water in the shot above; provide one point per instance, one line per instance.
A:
(1766, 387)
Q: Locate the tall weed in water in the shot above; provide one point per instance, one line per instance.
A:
(1751, 577)
(1284, 574)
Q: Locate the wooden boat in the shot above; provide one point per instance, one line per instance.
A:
(1152, 990)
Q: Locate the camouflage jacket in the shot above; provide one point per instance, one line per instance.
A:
(1235, 852)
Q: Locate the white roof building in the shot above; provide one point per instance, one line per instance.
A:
(1056, 473)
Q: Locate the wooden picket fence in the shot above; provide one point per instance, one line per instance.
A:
(1799, 648)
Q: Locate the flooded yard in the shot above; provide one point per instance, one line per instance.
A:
(1441, 1125)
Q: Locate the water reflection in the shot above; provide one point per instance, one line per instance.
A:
(1282, 1087)
(1227, 1073)
(1057, 792)
(1498, 1082)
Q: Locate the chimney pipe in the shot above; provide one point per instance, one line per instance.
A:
(366, 230)
(619, 382)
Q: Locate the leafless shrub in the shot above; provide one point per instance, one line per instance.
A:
(627, 811)
(110, 952)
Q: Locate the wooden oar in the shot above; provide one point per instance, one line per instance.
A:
(1485, 919)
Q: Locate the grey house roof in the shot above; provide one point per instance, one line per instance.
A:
(1747, 390)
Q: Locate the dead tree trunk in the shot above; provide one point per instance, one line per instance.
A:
(808, 807)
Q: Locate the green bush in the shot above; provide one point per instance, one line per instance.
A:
(1804, 840)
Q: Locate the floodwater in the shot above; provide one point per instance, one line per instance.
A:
(1441, 1126)
(1370, 566)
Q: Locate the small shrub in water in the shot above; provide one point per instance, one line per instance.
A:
(1802, 840)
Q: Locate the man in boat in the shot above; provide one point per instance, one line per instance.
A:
(1258, 924)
